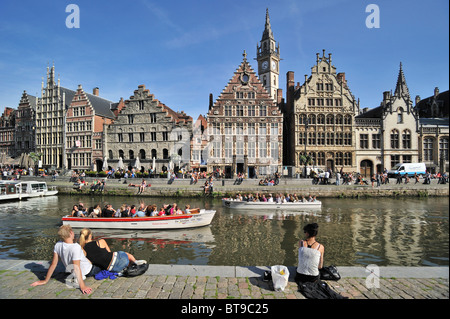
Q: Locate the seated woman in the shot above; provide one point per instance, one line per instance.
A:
(76, 212)
(310, 256)
(100, 255)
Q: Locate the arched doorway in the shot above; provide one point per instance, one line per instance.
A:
(366, 168)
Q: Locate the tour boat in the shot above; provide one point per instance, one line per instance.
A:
(18, 190)
(203, 218)
(11, 191)
(238, 204)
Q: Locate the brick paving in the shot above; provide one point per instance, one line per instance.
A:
(15, 284)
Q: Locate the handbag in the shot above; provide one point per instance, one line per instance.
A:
(135, 270)
(329, 273)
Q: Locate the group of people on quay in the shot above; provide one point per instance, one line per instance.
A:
(88, 258)
(126, 210)
(278, 198)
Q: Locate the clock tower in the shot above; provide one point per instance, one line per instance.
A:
(268, 57)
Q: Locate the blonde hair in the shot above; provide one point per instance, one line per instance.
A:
(64, 231)
(84, 235)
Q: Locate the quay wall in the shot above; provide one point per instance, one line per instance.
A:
(224, 188)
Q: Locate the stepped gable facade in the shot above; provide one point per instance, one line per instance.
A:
(146, 132)
(245, 127)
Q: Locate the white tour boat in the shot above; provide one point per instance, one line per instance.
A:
(18, 190)
(203, 218)
(238, 204)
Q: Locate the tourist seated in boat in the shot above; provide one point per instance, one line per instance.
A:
(278, 198)
(151, 211)
(189, 210)
(162, 211)
(75, 212)
(122, 211)
(140, 212)
(172, 209)
(96, 211)
(108, 211)
(269, 198)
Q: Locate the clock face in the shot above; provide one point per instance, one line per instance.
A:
(265, 65)
(274, 65)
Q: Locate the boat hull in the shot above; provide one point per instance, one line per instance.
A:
(271, 205)
(204, 218)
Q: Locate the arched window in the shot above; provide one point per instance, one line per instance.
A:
(154, 154)
(406, 139)
(348, 120)
(395, 139)
(121, 154)
(320, 119)
(400, 115)
(110, 154)
(312, 119)
(330, 119)
(302, 119)
(142, 154)
(131, 154)
(165, 154)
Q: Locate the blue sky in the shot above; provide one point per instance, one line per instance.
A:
(184, 50)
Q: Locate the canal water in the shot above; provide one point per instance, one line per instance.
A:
(355, 232)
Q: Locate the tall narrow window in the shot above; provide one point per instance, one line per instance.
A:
(443, 148)
(406, 139)
(428, 149)
(395, 139)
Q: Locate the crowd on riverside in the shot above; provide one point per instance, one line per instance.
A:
(131, 210)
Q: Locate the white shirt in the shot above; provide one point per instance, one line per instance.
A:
(70, 252)
(308, 261)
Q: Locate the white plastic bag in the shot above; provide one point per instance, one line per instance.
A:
(280, 277)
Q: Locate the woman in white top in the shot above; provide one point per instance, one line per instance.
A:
(310, 256)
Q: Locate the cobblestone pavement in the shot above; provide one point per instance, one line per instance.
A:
(16, 284)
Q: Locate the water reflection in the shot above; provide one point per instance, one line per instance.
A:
(402, 232)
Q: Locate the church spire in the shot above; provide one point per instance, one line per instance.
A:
(401, 89)
(267, 34)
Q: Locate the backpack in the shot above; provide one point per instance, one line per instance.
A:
(329, 273)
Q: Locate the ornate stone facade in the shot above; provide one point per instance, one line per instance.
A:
(146, 129)
(434, 131)
(50, 121)
(245, 127)
(7, 130)
(319, 118)
(25, 124)
(387, 135)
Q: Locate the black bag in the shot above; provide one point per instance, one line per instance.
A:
(329, 273)
(135, 270)
(318, 290)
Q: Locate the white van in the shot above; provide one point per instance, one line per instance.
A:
(408, 168)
